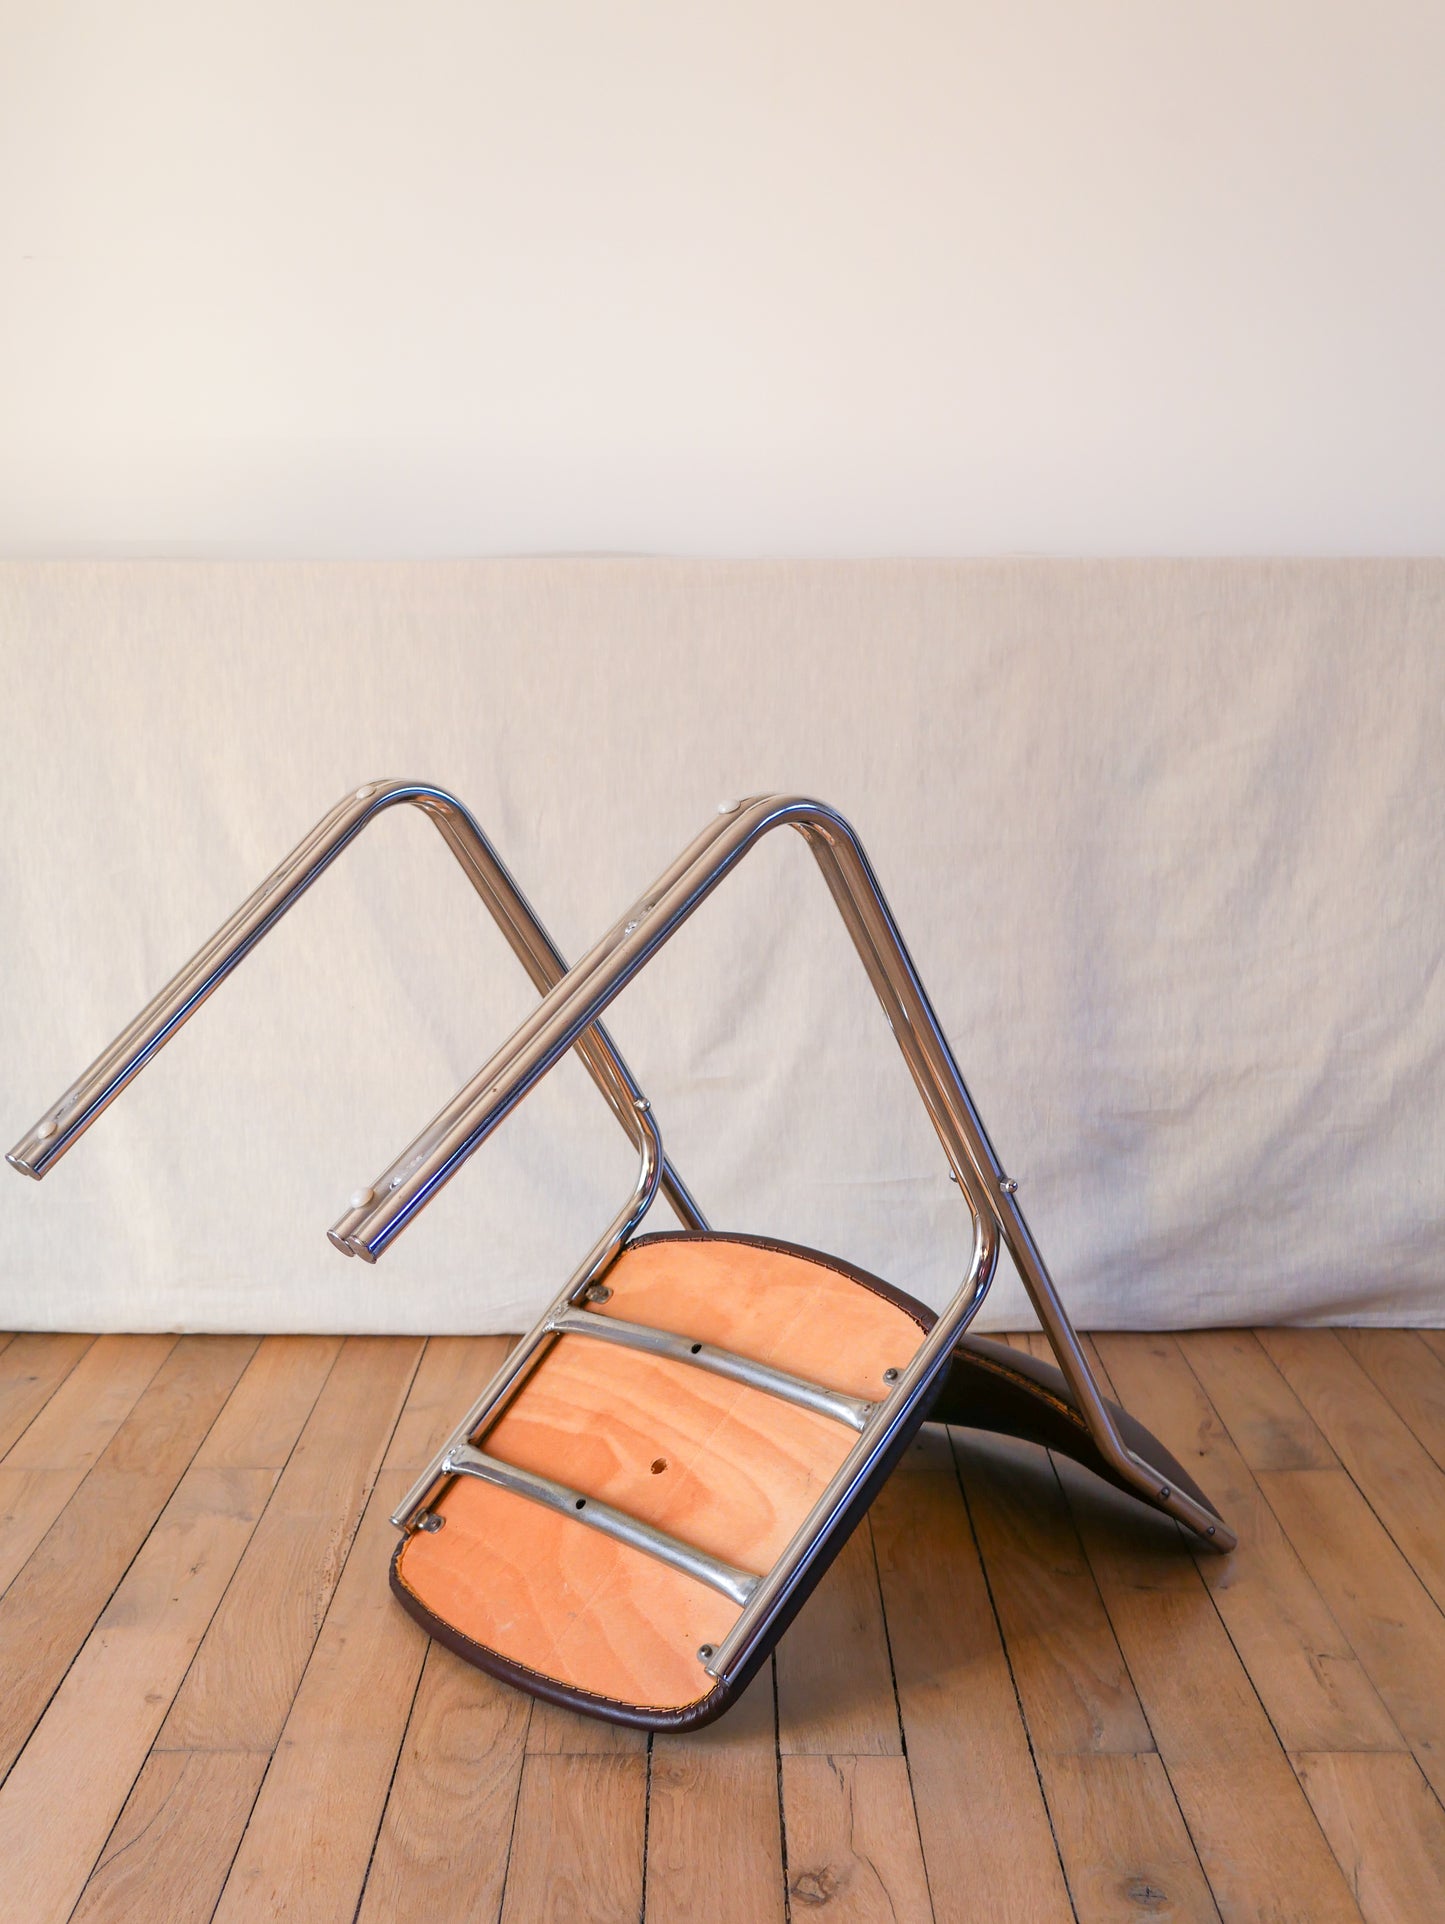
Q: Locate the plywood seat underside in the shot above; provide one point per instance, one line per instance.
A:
(726, 1468)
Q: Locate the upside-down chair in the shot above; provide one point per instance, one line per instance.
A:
(638, 1503)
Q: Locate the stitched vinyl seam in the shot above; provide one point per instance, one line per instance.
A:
(1027, 1383)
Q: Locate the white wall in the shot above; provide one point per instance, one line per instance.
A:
(312, 278)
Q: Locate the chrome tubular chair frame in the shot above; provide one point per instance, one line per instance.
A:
(982, 1385)
(575, 1003)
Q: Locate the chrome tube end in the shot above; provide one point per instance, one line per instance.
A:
(348, 1242)
(49, 1138)
(345, 1233)
(342, 1234)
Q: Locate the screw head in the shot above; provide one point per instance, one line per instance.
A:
(431, 1522)
(1008, 1185)
(705, 1653)
(890, 1376)
(598, 1293)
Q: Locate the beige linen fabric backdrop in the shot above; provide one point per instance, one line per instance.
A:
(1165, 840)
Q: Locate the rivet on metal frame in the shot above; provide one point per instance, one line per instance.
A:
(431, 1522)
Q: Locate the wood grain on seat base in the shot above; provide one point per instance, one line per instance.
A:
(725, 1468)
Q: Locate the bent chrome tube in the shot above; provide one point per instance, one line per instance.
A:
(916, 1380)
(529, 941)
(737, 1585)
(594, 982)
(526, 1354)
(856, 1411)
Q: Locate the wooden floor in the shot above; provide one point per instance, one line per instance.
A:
(1015, 1698)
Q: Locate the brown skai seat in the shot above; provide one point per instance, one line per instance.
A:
(588, 1621)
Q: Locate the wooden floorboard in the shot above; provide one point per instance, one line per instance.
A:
(1401, 1481)
(50, 1459)
(1315, 1692)
(57, 1595)
(704, 1793)
(1261, 1847)
(1016, 1695)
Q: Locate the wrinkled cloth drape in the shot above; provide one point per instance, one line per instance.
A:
(1165, 840)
